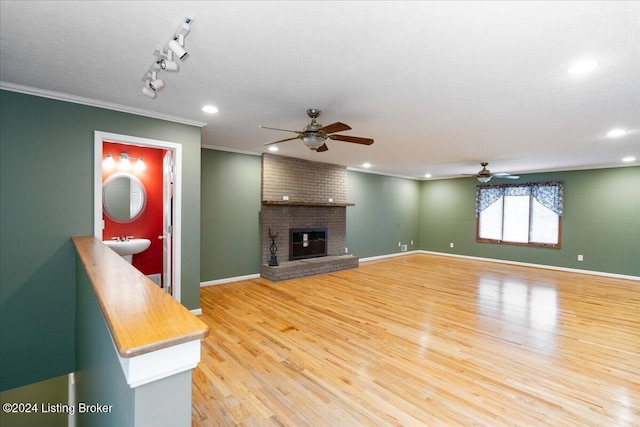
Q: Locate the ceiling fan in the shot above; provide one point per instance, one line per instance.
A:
(314, 134)
(485, 174)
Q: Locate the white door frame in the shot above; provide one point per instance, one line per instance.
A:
(168, 172)
(98, 225)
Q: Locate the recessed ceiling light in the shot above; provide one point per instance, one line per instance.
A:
(616, 133)
(209, 109)
(427, 175)
(273, 148)
(583, 67)
(629, 159)
(366, 165)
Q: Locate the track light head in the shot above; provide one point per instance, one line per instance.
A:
(153, 82)
(156, 85)
(177, 49)
(148, 91)
(167, 65)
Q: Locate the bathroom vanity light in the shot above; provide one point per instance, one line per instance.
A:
(125, 162)
(140, 165)
(108, 162)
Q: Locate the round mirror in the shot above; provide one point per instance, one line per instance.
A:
(123, 197)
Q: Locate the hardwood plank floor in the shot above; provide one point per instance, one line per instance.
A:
(421, 340)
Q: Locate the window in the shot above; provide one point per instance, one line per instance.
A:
(522, 214)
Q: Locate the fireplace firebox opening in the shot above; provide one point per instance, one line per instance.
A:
(307, 242)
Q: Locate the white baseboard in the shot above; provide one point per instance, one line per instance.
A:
(527, 264)
(419, 251)
(196, 311)
(375, 258)
(229, 280)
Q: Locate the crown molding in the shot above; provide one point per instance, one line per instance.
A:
(95, 103)
(256, 153)
(231, 150)
(373, 172)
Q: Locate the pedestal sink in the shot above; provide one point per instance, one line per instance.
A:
(127, 248)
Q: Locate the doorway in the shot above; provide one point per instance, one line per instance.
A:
(172, 201)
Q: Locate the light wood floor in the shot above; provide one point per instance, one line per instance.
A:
(422, 340)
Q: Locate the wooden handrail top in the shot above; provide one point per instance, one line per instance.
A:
(140, 316)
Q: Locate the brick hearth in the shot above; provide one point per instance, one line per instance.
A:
(308, 267)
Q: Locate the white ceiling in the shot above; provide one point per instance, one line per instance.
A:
(440, 86)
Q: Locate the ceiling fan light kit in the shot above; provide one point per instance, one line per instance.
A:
(485, 174)
(314, 135)
(164, 59)
(313, 141)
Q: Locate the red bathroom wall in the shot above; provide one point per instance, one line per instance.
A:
(148, 225)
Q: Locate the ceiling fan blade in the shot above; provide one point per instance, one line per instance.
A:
(505, 175)
(282, 140)
(335, 127)
(322, 148)
(354, 139)
(284, 130)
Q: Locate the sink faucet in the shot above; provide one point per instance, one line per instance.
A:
(122, 238)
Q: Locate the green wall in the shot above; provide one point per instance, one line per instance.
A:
(385, 213)
(46, 183)
(601, 218)
(601, 221)
(51, 391)
(99, 376)
(230, 245)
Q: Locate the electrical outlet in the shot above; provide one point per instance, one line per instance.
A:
(399, 244)
(451, 244)
(346, 250)
(403, 248)
(580, 258)
(285, 198)
(412, 243)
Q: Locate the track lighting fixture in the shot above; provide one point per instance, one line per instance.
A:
(152, 84)
(164, 59)
(148, 91)
(167, 65)
(155, 83)
(177, 49)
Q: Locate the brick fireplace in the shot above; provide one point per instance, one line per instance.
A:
(303, 194)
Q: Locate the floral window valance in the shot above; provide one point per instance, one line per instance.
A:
(548, 194)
